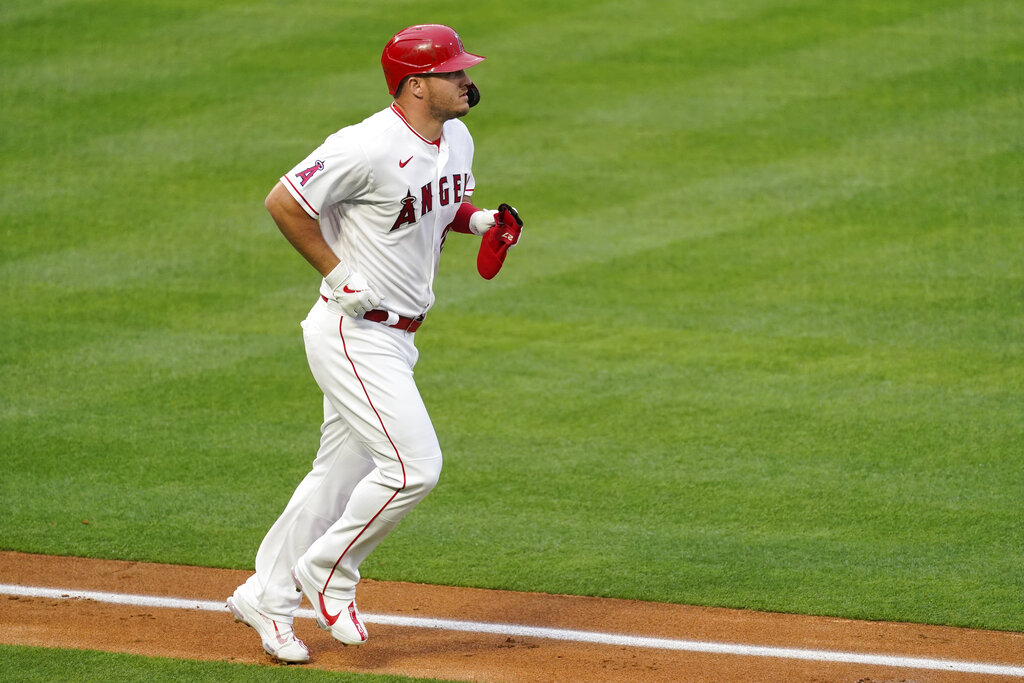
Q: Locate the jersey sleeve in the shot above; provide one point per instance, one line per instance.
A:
(334, 172)
(461, 221)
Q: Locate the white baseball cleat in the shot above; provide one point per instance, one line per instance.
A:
(278, 638)
(340, 617)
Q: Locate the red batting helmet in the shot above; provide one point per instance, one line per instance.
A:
(424, 49)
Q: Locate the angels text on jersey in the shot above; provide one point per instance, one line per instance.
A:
(449, 191)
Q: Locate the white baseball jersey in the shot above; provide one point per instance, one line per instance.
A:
(384, 196)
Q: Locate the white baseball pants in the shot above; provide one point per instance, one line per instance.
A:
(378, 458)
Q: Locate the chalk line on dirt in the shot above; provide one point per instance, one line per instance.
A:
(594, 637)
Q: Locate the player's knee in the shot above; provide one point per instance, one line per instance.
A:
(422, 474)
(415, 470)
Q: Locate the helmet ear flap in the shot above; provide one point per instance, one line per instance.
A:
(474, 95)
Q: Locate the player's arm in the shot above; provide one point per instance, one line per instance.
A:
(301, 230)
(470, 220)
(350, 289)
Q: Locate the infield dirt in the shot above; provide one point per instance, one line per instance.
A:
(419, 652)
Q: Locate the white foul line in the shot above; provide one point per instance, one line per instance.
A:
(595, 637)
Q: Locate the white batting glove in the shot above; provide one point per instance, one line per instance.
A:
(482, 221)
(351, 291)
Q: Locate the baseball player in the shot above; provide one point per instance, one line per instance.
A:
(370, 209)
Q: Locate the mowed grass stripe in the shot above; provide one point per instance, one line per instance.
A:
(776, 154)
(851, 171)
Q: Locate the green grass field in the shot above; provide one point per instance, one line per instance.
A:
(39, 665)
(762, 345)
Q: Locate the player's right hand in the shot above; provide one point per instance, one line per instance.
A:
(356, 296)
(352, 292)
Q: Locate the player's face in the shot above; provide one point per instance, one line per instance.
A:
(448, 95)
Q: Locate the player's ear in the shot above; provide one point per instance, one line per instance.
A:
(415, 86)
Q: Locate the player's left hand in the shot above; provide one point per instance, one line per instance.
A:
(506, 233)
(482, 221)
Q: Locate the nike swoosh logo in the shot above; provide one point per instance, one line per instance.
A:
(327, 615)
(350, 291)
(401, 164)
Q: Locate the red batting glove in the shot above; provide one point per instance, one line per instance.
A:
(496, 242)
